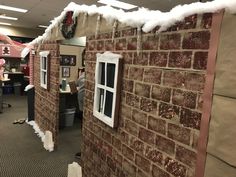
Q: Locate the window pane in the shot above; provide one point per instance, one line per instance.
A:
(111, 68)
(108, 104)
(44, 63)
(44, 78)
(101, 100)
(102, 71)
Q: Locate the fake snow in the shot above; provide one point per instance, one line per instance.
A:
(45, 138)
(147, 19)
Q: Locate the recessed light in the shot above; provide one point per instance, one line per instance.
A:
(13, 8)
(42, 26)
(2, 23)
(8, 18)
(118, 4)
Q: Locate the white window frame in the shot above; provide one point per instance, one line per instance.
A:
(107, 58)
(44, 58)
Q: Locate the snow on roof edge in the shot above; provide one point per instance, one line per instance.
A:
(147, 19)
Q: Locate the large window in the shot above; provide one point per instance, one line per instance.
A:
(107, 88)
(44, 67)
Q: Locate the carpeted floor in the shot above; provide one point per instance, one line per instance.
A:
(21, 151)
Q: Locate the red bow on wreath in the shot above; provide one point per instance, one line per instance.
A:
(69, 20)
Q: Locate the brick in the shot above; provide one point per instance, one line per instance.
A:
(190, 22)
(194, 143)
(179, 134)
(96, 129)
(158, 172)
(124, 137)
(142, 163)
(206, 20)
(121, 44)
(148, 105)
(146, 135)
(194, 81)
(132, 44)
(168, 111)
(116, 143)
(196, 40)
(90, 56)
(128, 85)
(126, 111)
(91, 45)
(107, 149)
(186, 156)
(129, 32)
(109, 45)
(127, 152)
(132, 100)
(175, 168)
(136, 73)
(190, 118)
(180, 59)
(183, 98)
(161, 93)
(154, 155)
(170, 41)
(141, 59)
(158, 59)
(174, 79)
(117, 157)
(152, 75)
(131, 127)
(128, 57)
(150, 42)
(106, 136)
(200, 102)
(141, 174)
(100, 45)
(157, 125)
(142, 90)
(165, 145)
(137, 145)
(129, 168)
(111, 163)
(200, 60)
(139, 117)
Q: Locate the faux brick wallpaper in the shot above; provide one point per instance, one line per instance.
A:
(161, 104)
(47, 101)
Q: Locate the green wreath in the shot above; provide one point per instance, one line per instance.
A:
(68, 25)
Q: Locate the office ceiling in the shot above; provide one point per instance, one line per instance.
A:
(42, 11)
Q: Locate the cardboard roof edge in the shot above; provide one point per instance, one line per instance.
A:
(143, 18)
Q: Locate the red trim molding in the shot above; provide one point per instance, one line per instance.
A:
(207, 95)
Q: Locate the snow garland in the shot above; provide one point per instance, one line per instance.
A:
(46, 137)
(147, 19)
(36, 129)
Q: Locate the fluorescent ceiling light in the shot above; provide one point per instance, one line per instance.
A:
(13, 8)
(8, 18)
(118, 4)
(2, 23)
(42, 26)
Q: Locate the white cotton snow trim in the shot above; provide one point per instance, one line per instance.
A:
(48, 143)
(147, 19)
(28, 87)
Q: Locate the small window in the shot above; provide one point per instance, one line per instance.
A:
(44, 69)
(107, 88)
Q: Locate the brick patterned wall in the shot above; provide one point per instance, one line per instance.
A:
(161, 104)
(47, 101)
(31, 68)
